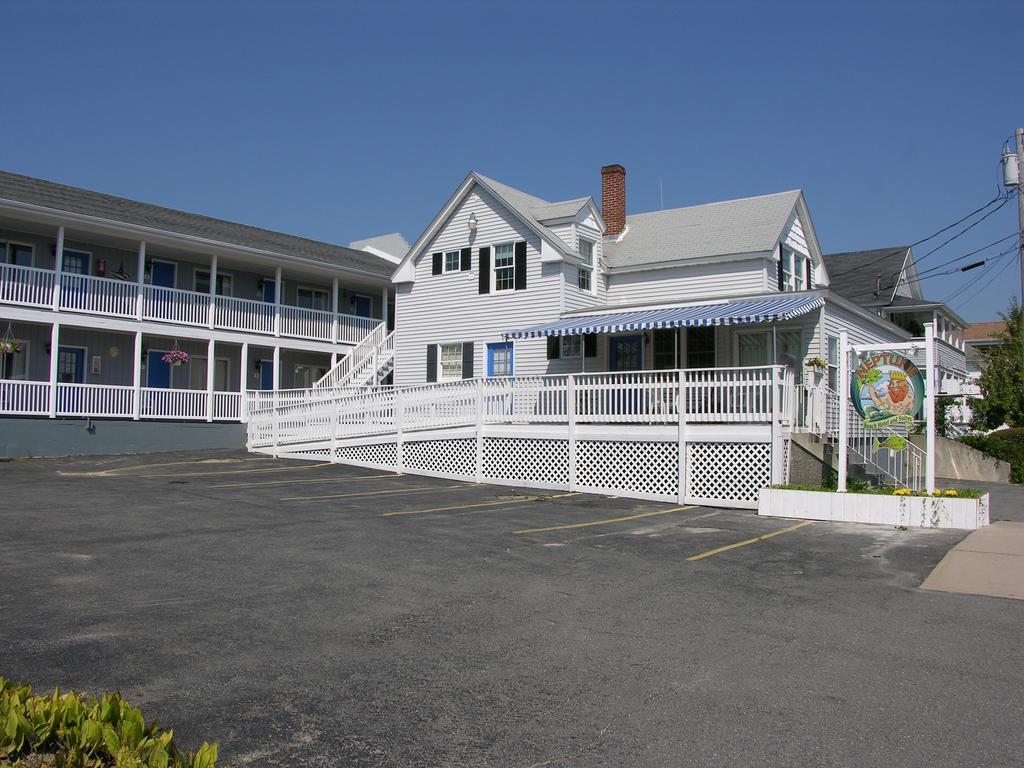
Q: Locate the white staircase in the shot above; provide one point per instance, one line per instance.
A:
(368, 364)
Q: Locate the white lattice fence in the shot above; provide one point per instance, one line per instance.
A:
(727, 473)
(531, 461)
(378, 455)
(448, 458)
(646, 470)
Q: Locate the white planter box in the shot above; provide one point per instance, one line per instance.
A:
(915, 511)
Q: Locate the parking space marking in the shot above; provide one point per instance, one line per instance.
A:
(520, 500)
(738, 544)
(416, 489)
(607, 521)
(113, 470)
(296, 482)
(248, 471)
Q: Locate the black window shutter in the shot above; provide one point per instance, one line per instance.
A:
(467, 359)
(809, 273)
(485, 270)
(554, 347)
(782, 282)
(431, 362)
(465, 259)
(436, 269)
(520, 266)
(590, 345)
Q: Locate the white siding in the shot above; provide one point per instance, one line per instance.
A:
(565, 234)
(793, 235)
(686, 283)
(574, 297)
(860, 331)
(448, 308)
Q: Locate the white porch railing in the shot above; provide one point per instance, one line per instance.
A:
(227, 406)
(342, 373)
(305, 323)
(352, 329)
(25, 398)
(97, 295)
(26, 286)
(174, 305)
(95, 400)
(173, 403)
(234, 314)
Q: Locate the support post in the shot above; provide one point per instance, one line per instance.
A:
(929, 406)
(399, 437)
(843, 388)
(213, 289)
(277, 368)
(243, 376)
(277, 303)
(137, 377)
(384, 306)
(58, 268)
(334, 315)
(681, 434)
(570, 410)
(211, 366)
(54, 355)
(777, 382)
(140, 281)
(479, 473)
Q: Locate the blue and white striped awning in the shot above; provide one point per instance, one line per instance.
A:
(726, 313)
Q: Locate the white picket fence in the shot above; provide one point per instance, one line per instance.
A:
(627, 434)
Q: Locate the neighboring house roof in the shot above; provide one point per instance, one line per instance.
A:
(60, 197)
(567, 209)
(392, 246)
(867, 277)
(984, 333)
(747, 225)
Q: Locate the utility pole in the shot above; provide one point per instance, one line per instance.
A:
(1020, 221)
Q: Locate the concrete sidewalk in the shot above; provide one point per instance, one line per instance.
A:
(988, 562)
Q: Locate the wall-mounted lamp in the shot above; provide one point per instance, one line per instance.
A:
(472, 222)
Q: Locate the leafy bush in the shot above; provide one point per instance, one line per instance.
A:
(859, 486)
(1006, 445)
(76, 731)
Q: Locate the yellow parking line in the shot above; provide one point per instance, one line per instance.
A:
(111, 472)
(418, 489)
(481, 504)
(754, 540)
(247, 471)
(607, 521)
(296, 482)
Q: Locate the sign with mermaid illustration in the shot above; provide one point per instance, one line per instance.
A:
(887, 388)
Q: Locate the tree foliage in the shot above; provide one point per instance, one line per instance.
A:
(1002, 382)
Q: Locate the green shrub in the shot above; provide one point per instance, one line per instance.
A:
(1006, 445)
(86, 732)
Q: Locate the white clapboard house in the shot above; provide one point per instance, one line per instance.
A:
(666, 355)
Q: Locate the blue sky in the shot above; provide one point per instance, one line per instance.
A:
(344, 120)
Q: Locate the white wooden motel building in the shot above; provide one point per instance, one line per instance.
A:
(659, 355)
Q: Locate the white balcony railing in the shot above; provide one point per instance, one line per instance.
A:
(303, 323)
(26, 286)
(95, 400)
(174, 305)
(25, 398)
(97, 295)
(243, 315)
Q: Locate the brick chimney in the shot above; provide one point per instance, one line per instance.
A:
(613, 199)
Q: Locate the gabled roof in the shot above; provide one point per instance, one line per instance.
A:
(565, 210)
(393, 245)
(747, 225)
(120, 210)
(984, 332)
(858, 275)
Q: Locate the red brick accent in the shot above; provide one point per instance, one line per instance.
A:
(613, 198)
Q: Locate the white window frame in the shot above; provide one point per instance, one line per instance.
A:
(88, 261)
(227, 374)
(566, 342)
(440, 361)
(225, 278)
(7, 251)
(85, 361)
(588, 268)
(314, 291)
(444, 261)
(495, 267)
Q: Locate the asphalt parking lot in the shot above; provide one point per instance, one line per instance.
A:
(316, 614)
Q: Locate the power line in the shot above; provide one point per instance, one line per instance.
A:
(954, 270)
(986, 285)
(920, 275)
(932, 236)
(965, 230)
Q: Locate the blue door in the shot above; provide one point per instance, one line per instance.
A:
(266, 374)
(500, 360)
(162, 274)
(158, 373)
(362, 305)
(627, 353)
(75, 262)
(71, 365)
(269, 290)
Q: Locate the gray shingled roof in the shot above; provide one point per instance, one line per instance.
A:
(393, 243)
(856, 274)
(531, 208)
(563, 210)
(747, 225)
(25, 189)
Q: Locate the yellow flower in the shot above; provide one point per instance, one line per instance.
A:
(937, 492)
(951, 492)
(901, 492)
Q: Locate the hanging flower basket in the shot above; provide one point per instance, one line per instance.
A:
(8, 346)
(176, 357)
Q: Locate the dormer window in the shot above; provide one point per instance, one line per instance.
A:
(586, 269)
(795, 271)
